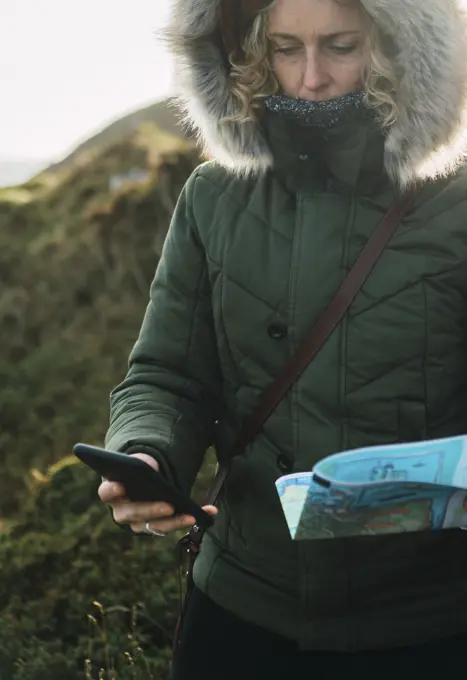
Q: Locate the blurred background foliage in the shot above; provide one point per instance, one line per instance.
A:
(79, 244)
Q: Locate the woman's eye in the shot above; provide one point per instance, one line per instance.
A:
(343, 49)
(288, 51)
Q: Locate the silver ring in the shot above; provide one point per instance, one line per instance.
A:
(154, 533)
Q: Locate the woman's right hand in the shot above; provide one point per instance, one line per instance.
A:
(160, 515)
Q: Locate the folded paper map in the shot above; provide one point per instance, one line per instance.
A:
(379, 490)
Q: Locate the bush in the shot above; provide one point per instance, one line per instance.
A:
(79, 597)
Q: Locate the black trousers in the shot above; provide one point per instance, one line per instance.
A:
(216, 645)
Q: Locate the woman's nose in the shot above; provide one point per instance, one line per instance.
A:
(315, 76)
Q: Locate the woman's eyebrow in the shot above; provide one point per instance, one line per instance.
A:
(339, 34)
(327, 36)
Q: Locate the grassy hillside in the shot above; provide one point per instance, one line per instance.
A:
(161, 113)
(78, 249)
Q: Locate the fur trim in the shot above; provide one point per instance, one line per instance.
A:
(428, 139)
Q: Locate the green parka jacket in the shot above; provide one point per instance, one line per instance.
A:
(260, 241)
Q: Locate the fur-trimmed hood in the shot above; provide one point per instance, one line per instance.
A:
(429, 136)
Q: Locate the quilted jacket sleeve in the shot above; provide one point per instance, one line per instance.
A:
(170, 399)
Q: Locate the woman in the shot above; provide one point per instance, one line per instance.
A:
(318, 113)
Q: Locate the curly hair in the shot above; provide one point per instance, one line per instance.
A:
(252, 78)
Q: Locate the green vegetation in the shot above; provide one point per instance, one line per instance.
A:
(163, 113)
(79, 597)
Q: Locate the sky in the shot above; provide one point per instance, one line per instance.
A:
(69, 67)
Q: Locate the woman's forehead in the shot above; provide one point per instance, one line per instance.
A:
(315, 17)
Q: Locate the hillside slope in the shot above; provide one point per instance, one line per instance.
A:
(161, 114)
(78, 250)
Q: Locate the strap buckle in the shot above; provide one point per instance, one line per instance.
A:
(191, 542)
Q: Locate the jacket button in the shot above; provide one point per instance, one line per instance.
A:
(277, 331)
(284, 464)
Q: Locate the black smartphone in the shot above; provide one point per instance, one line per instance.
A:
(141, 481)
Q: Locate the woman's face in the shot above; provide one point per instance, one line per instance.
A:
(316, 47)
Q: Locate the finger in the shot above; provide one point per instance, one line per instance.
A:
(210, 509)
(146, 458)
(110, 491)
(165, 526)
(134, 513)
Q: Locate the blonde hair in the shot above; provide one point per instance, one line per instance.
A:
(252, 79)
